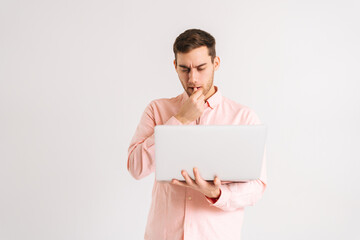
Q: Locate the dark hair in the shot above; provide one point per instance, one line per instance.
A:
(194, 38)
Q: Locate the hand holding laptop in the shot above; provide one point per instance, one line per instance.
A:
(208, 188)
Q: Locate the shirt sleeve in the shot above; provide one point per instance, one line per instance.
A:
(241, 194)
(141, 152)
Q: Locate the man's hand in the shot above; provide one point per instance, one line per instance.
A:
(209, 189)
(192, 108)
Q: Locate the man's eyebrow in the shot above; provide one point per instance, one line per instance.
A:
(183, 66)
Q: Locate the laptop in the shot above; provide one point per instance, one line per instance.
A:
(231, 152)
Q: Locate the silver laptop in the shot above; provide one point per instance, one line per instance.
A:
(231, 152)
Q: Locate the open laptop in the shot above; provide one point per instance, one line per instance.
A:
(231, 152)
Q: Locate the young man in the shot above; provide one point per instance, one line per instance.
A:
(193, 208)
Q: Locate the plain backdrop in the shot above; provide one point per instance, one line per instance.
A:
(75, 77)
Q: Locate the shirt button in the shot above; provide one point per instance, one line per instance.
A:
(189, 198)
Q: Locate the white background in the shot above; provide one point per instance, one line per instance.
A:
(75, 77)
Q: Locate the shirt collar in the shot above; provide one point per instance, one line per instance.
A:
(212, 101)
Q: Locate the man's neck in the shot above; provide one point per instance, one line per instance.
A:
(211, 92)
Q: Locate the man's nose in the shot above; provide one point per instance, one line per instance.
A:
(193, 76)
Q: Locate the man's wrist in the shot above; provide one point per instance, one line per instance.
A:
(215, 194)
(214, 199)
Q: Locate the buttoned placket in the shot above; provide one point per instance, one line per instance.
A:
(187, 213)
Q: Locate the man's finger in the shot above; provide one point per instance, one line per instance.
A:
(198, 178)
(217, 182)
(187, 178)
(197, 94)
(177, 182)
(201, 98)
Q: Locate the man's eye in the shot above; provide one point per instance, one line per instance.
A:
(185, 70)
(200, 69)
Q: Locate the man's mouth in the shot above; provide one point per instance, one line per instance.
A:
(195, 88)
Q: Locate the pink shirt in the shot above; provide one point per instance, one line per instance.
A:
(182, 213)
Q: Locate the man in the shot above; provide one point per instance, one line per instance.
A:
(193, 208)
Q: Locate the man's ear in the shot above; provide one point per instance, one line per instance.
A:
(216, 63)
(175, 64)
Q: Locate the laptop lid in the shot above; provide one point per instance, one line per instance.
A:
(231, 152)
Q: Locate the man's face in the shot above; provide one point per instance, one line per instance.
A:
(195, 70)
